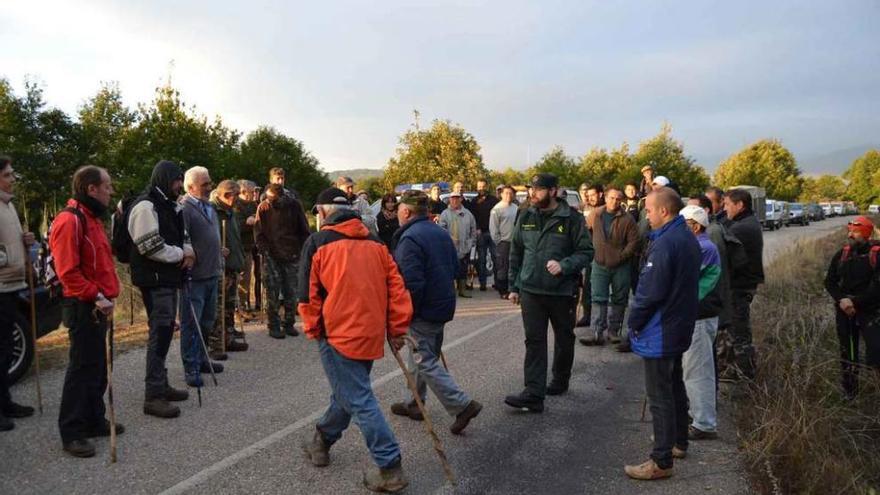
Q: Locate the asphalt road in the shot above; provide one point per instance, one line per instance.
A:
(245, 438)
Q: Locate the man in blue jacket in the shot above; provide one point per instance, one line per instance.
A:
(428, 262)
(661, 324)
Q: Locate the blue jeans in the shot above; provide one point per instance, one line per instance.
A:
(352, 398)
(203, 296)
(430, 372)
(698, 364)
(484, 244)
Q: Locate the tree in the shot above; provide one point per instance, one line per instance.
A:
(373, 186)
(765, 163)
(667, 157)
(598, 166)
(556, 162)
(508, 176)
(446, 151)
(864, 179)
(823, 188)
(106, 125)
(265, 148)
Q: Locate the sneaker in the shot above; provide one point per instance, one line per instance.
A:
(678, 452)
(291, 331)
(557, 388)
(524, 401)
(390, 480)
(13, 410)
(237, 346)
(160, 408)
(647, 470)
(175, 395)
(104, 430)
(218, 368)
(6, 424)
(698, 434)
(317, 450)
(409, 410)
(80, 448)
(463, 418)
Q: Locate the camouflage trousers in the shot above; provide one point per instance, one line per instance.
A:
(734, 350)
(280, 279)
(225, 313)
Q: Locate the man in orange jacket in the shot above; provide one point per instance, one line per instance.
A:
(84, 264)
(351, 296)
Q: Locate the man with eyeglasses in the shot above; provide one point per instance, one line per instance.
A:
(852, 281)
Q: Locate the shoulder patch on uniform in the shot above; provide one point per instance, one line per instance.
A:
(560, 228)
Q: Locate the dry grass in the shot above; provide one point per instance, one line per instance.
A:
(801, 436)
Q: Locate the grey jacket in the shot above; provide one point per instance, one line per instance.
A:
(204, 234)
(462, 226)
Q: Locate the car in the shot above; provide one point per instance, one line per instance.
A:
(776, 214)
(826, 209)
(837, 209)
(798, 214)
(815, 212)
(874, 209)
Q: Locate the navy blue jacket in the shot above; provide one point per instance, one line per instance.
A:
(428, 262)
(664, 311)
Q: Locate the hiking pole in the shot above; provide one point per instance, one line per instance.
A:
(200, 336)
(33, 301)
(108, 349)
(644, 408)
(410, 381)
(223, 290)
(238, 278)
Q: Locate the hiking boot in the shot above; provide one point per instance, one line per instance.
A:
(317, 450)
(461, 293)
(698, 434)
(678, 452)
(237, 346)
(292, 331)
(276, 334)
(584, 321)
(104, 430)
(595, 340)
(160, 408)
(6, 424)
(525, 401)
(647, 470)
(623, 347)
(409, 410)
(13, 410)
(218, 355)
(80, 448)
(175, 395)
(206, 368)
(463, 418)
(390, 480)
(557, 388)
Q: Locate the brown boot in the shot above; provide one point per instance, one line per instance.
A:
(160, 408)
(389, 480)
(647, 470)
(679, 453)
(317, 450)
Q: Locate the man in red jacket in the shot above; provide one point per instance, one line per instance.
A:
(84, 264)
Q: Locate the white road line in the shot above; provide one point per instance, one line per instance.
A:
(253, 449)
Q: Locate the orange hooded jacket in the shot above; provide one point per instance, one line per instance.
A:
(350, 291)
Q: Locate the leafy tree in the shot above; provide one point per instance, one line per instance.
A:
(864, 179)
(107, 125)
(765, 163)
(446, 151)
(823, 188)
(667, 157)
(508, 176)
(556, 162)
(373, 186)
(265, 148)
(598, 166)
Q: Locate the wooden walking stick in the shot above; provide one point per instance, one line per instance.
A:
(438, 446)
(644, 408)
(223, 290)
(33, 301)
(108, 346)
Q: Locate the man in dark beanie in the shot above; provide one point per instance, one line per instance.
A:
(160, 254)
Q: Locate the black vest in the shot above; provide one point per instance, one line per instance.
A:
(147, 273)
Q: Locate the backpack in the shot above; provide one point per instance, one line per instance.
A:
(846, 252)
(51, 275)
(120, 239)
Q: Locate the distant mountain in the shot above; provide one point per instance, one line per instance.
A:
(834, 162)
(356, 174)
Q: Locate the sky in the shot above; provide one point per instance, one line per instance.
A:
(345, 76)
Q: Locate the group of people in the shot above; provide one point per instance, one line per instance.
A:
(683, 273)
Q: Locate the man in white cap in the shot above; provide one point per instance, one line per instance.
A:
(698, 363)
(462, 227)
(660, 181)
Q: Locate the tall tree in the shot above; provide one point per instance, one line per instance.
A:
(667, 157)
(508, 176)
(265, 148)
(446, 151)
(107, 124)
(864, 179)
(556, 162)
(823, 188)
(765, 163)
(598, 166)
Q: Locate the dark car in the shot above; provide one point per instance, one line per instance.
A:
(798, 214)
(815, 212)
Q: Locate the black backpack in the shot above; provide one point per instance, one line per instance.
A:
(120, 241)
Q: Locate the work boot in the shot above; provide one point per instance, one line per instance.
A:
(237, 346)
(461, 291)
(525, 401)
(6, 424)
(160, 408)
(13, 410)
(464, 418)
(615, 322)
(80, 448)
(698, 434)
(292, 331)
(206, 368)
(175, 395)
(678, 452)
(317, 450)
(217, 355)
(599, 324)
(104, 430)
(276, 333)
(557, 388)
(409, 410)
(385, 480)
(647, 470)
(594, 340)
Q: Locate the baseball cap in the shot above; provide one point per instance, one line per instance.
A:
(331, 196)
(545, 180)
(661, 180)
(455, 194)
(695, 213)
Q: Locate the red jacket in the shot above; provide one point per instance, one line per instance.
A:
(350, 289)
(83, 259)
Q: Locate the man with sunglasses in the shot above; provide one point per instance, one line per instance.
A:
(852, 281)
